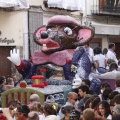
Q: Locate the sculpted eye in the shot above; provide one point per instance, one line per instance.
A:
(68, 31)
(49, 30)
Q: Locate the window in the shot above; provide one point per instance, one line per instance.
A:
(35, 20)
(96, 42)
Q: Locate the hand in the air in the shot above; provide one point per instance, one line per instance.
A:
(15, 57)
(6, 113)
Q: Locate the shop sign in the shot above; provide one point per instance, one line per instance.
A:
(8, 41)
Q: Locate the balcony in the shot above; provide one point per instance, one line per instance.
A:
(105, 7)
(10, 5)
(65, 5)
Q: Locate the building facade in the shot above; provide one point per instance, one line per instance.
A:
(104, 16)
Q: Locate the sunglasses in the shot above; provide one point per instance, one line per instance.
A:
(17, 101)
(17, 113)
(74, 118)
(74, 99)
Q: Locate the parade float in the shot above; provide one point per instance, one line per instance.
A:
(59, 39)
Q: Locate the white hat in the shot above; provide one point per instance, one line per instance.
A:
(52, 117)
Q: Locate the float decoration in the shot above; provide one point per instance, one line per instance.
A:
(23, 84)
(76, 82)
(59, 39)
(43, 72)
(81, 64)
(38, 81)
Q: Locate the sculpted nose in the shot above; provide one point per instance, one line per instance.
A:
(44, 35)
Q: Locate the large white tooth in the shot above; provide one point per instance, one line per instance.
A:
(44, 45)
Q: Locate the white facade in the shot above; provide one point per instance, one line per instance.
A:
(14, 25)
(11, 27)
(35, 2)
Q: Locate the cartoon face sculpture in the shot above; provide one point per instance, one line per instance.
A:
(62, 32)
(76, 82)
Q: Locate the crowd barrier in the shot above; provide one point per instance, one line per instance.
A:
(56, 93)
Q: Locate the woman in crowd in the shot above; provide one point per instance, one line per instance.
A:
(94, 103)
(104, 85)
(104, 110)
(113, 67)
(38, 108)
(106, 93)
(109, 61)
(49, 109)
(86, 102)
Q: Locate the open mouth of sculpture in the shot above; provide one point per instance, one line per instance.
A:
(49, 45)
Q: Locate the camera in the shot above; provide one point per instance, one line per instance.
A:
(1, 110)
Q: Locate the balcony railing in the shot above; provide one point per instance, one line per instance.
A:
(105, 10)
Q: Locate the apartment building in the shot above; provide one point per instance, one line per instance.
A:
(104, 16)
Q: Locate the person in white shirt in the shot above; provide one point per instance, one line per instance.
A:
(100, 60)
(111, 54)
(112, 74)
(117, 85)
(52, 117)
(89, 51)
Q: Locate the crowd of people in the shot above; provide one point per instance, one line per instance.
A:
(82, 103)
(103, 60)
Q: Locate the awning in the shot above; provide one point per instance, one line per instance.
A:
(106, 29)
(18, 4)
(67, 4)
